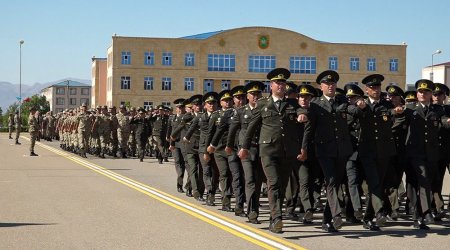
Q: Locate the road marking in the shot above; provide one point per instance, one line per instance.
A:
(241, 230)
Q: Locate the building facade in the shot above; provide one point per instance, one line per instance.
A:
(152, 71)
(438, 73)
(67, 94)
(98, 93)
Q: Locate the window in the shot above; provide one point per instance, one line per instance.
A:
(166, 83)
(218, 62)
(60, 101)
(189, 59)
(354, 63)
(85, 91)
(371, 64)
(85, 101)
(332, 63)
(208, 85)
(73, 101)
(303, 64)
(148, 105)
(73, 91)
(126, 57)
(167, 58)
(393, 64)
(266, 86)
(262, 64)
(167, 104)
(226, 84)
(148, 83)
(60, 91)
(189, 84)
(125, 82)
(149, 58)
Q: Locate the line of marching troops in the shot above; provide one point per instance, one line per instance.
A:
(300, 142)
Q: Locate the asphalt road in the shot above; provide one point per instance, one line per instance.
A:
(61, 201)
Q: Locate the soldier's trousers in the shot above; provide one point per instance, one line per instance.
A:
(210, 174)
(353, 184)
(33, 138)
(195, 173)
(423, 170)
(334, 173)
(141, 141)
(437, 183)
(105, 140)
(159, 146)
(17, 133)
(114, 142)
(375, 169)
(310, 181)
(123, 137)
(180, 166)
(253, 174)
(292, 188)
(10, 128)
(83, 140)
(277, 171)
(230, 176)
(132, 143)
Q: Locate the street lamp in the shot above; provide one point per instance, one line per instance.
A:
(20, 77)
(68, 99)
(432, 62)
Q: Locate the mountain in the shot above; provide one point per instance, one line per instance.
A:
(9, 92)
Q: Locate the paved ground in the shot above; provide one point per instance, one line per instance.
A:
(60, 201)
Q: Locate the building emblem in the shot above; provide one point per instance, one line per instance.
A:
(263, 42)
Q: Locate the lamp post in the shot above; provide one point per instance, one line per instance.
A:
(20, 77)
(432, 63)
(68, 99)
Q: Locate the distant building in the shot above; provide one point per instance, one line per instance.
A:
(441, 73)
(67, 94)
(98, 93)
(151, 71)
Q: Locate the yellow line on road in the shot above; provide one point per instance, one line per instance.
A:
(241, 230)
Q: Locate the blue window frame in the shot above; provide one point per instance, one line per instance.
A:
(189, 59)
(333, 63)
(189, 84)
(148, 83)
(261, 64)
(371, 64)
(393, 64)
(149, 58)
(125, 82)
(222, 62)
(166, 83)
(126, 57)
(302, 64)
(354, 63)
(167, 58)
(148, 105)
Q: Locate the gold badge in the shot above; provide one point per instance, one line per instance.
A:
(350, 91)
(385, 118)
(437, 89)
(391, 90)
(423, 85)
(329, 77)
(303, 90)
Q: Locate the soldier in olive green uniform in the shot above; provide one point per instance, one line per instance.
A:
(114, 124)
(18, 124)
(159, 128)
(33, 128)
(83, 130)
(123, 131)
(279, 143)
(132, 139)
(10, 124)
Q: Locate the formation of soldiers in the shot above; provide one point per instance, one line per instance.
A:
(352, 145)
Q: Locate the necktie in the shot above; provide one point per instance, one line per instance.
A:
(278, 104)
(332, 103)
(425, 110)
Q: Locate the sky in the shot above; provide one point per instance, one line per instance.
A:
(60, 37)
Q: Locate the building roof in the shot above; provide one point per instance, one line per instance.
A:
(71, 84)
(440, 64)
(203, 35)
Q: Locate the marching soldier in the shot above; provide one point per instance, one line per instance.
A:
(114, 124)
(200, 126)
(132, 139)
(142, 131)
(33, 128)
(276, 116)
(228, 162)
(83, 130)
(159, 128)
(18, 124)
(10, 124)
(327, 127)
(123, 130)
(423, 122)
(252, 165)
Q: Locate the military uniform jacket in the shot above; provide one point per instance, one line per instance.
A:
(123, 123)
(376, 121)
(174, 123)
(83, 122)
(198, 131)
(159, 126)
(142, 127)
(327, 127)
(279, 135)
(444, 137)
(182, 129)
(33, 124)
(219, 139)
(17, 121)
(422, 139)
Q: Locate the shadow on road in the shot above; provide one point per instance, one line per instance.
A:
(12, 224)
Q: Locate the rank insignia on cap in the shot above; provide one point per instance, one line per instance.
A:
(385, 118)
(391, 90)
(329, 77)
(350, 91)
(303, 91)
(437, 89)
(423, 85)
(226, 95)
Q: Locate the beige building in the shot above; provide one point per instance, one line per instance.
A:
(440, 74)
(67, 94)
(150, 71)
(98, 93)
